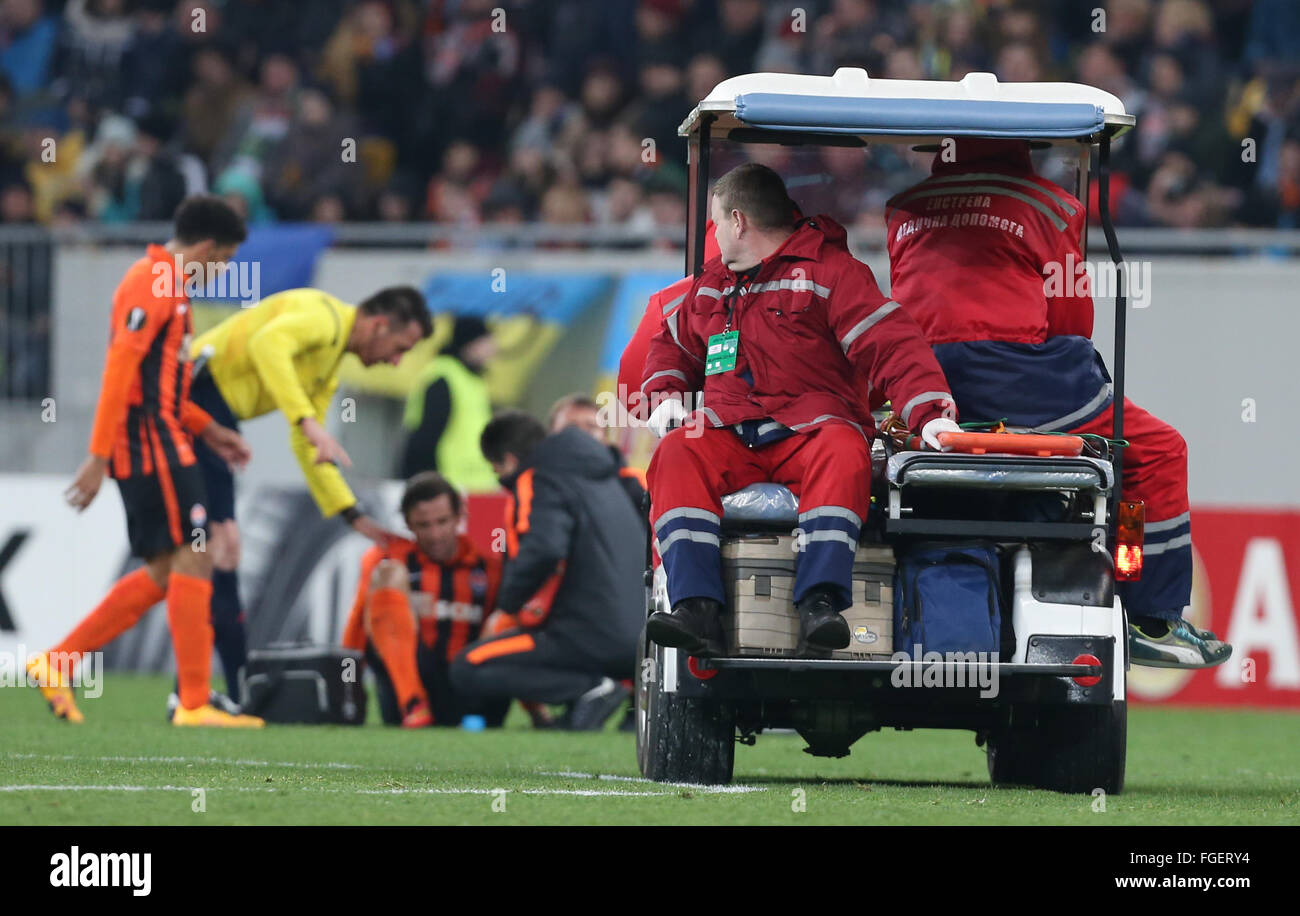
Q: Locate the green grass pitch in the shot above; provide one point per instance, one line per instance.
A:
(125, 765)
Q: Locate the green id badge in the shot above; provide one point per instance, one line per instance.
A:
(721, 355)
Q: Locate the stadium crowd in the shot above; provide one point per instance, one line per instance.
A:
(147, 100)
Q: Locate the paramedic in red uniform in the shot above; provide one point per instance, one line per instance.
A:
(983, 255)
(788, 338)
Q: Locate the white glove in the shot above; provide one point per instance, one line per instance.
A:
(667, 415)
(930, 432)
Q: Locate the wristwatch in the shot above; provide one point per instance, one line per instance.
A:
(351, 513)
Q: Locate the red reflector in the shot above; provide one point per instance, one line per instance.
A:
(693, 666)
(1087, 680)
(1128, 562)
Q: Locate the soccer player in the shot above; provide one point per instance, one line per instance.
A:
(421, 601)
(284, 354)
(142, 437)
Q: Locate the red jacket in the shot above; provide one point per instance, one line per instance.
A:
(818, 341)
(970, 248)
(632, 363)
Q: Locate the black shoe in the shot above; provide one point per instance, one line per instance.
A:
(591, 710)
(821, 627)
(694, 625)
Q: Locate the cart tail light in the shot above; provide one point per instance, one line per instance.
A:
(1128, 540)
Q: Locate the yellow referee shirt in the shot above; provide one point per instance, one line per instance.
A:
(284, 354)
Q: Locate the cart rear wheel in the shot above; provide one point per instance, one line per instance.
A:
(1065, 749)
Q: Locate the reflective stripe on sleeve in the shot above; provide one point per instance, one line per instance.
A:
(923, 398)
(681, 376)
(867, 324)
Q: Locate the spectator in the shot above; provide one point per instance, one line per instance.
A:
(216, 99)
(704, 72)
(155, 173)
(307, 165)
(1127, 32)
(372, 64)
(562, 94)
(262, 121)
(661, 104)
(155, 70)
(1278, 206)
(602, 96)
(27, 44)
(738, 36)
(95, 39)
(242, 191)
(467, 57)
(1019, 62)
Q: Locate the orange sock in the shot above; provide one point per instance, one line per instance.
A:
(125, 603)
(392, 630)
(189, 613)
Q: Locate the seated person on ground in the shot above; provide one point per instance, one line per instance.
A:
(418, 603)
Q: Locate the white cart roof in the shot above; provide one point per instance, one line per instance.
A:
(852, 103)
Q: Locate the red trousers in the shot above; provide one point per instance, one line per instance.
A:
(828, 468)
(1155, 471)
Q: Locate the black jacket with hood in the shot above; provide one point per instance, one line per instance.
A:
(572, 506)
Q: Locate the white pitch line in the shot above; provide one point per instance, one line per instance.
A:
(581, 792)
(326, 791)
(699, 787)
(222, 760)
(36, 788)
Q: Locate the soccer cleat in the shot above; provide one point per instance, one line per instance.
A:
(694, 625)
(62, 702)
(1181, 646)
(215, 698)
(208, 716)
(417, 714)
(593, 708)
(821, 627)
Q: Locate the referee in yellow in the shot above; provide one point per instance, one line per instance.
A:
(284, 354)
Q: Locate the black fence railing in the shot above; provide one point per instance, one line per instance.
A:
(26, 296)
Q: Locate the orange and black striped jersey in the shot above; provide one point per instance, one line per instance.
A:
(450, 601)
(145, 417)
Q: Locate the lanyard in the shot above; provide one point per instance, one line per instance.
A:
(748, 277)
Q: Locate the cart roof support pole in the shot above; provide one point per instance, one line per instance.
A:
(1121, 311)
(700, 216)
